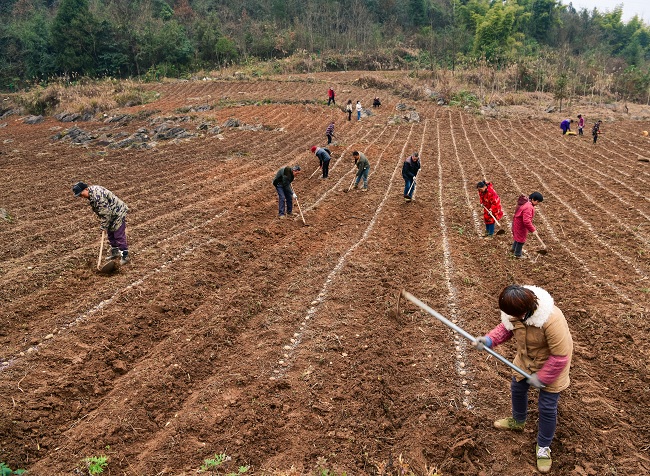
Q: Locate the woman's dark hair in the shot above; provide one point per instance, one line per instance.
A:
(518, 302)
(536, 196)
(481, 184)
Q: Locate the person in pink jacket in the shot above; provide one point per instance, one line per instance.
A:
(522, 221)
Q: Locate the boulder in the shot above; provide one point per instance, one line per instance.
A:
(232, 122)
(33, 119)
(67, 117)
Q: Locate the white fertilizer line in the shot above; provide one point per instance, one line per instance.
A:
(452, 300)
(477, 227)
(288, 356)
(103, 304)
(505, 218)
(424, 134)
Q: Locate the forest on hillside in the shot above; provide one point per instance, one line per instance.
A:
(549, 44)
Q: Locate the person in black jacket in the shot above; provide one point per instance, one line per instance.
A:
(282, 184)
(596, 130)
(410, 169)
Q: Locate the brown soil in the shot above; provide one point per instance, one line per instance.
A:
(278, 344)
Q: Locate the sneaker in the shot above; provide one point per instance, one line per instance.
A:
(125, 257)
(509, 424)
(281, 217)
(544, 460)
(407, 199)
(364, 189)
(356, 186)
(115, 253)
(292, 215)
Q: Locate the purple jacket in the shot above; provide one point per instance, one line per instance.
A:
(522, 221)
(565, 125)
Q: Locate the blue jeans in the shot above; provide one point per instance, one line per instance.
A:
(547, 406)
(284, 194)
(358, 115)
(489, 229)
(408, 191)
(517, 248)
(364, 176)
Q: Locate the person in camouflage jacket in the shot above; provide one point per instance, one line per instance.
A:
(112, 216)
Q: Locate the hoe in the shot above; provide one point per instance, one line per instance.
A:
(409, 297)
(501, 231)
(299, 209)
(543, 250)
(109, 266)
(351, 184)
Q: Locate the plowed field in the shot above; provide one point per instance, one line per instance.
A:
(279, 344)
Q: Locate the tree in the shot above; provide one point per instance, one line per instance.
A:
(496, 36)
(33, 36)
(560, 90)
(73, 37)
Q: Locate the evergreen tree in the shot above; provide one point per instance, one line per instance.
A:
(73, 37)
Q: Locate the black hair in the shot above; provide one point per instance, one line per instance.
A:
(536, 196)
(518, 302)
(481, 184)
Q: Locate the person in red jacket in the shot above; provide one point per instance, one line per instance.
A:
(331, 97)
(490, 201)
(522, 221)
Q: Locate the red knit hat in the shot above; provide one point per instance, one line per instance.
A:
(313, 148)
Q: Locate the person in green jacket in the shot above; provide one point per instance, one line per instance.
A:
(282, 183)
(363, 169)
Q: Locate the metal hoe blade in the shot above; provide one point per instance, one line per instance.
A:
(408, 296)
(108, 267)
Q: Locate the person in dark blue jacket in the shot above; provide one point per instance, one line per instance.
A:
(410, 169)
(323, 159)
(282, 184)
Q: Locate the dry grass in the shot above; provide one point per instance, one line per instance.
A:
(84, 96)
